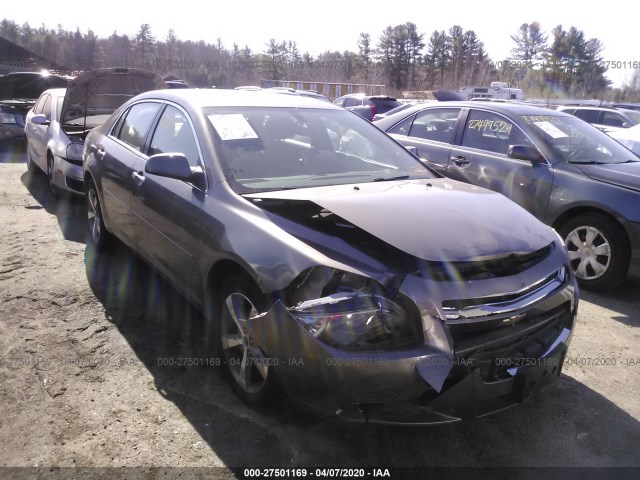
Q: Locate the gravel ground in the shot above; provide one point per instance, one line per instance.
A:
(86, 341)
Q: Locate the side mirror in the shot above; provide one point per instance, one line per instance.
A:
(413, 151)
(40, 119)
(626, 124)
(174, 165)
(525, 152)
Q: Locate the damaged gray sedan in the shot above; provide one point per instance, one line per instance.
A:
(329, 261)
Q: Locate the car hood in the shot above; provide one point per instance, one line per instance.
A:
(625, 175)
(101, 92)
(434, 220)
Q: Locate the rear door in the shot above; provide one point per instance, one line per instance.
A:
(481, 159)
(167, 212)
(119, 152)
(432, 132)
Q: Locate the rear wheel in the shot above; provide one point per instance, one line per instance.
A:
(99, 236)
(599, 251)
(248, 370)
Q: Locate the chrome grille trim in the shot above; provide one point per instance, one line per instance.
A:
(482, 307)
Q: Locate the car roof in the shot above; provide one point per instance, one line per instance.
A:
(236, 98)
(505, 108)
(580, 107)
(364, 95)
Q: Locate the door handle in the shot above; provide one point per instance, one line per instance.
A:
(461, 161)
(138, 178)
(100, 153)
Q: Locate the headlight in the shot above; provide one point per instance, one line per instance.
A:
(74, 151)
(355, 321)
(7, 118)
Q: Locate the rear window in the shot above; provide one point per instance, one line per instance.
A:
(28, 86)
(590, 116)
(384, 105)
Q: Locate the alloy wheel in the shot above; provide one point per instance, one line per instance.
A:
(94, 215)
(245, 361)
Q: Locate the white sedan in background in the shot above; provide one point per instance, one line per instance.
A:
(629, 137)
(62, 117)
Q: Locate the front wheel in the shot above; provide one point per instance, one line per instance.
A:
(248, 370)
(53, 188)
(599, 251)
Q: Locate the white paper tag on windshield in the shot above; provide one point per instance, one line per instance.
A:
(232, 127)
(550, 129)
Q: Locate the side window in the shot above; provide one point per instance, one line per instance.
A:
(352, 102)
(339, 102)
(115, 130)
(612, 119)
(436, 124)
(136, 124)
(37, 108)
(174, 135)
(491, 132)
(46, 108)
(590, 116)
(403, 127)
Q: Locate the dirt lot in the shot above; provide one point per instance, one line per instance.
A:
(85, 340)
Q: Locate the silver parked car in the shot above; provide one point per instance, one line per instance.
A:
(329, 261)
(606, 119)
(56, 126)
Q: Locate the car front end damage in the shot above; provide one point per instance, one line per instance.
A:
(433, 354)
(404, 340)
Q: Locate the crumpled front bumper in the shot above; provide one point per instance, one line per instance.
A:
(419, 385)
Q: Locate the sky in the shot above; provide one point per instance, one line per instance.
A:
(336, 25)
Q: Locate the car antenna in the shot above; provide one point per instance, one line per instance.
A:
(86, 96)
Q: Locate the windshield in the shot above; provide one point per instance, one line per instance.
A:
(576, 141)
(279, 148)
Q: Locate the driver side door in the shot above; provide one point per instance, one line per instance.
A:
(481, 159)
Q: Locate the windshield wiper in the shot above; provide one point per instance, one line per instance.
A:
(388, 179)
(629, 161)
(586, 162)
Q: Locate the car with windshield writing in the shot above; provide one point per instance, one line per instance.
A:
(328, 261)
(564, 171)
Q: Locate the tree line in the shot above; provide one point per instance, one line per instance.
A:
(562, 64)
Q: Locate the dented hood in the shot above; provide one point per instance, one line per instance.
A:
(435, 219)
(101, 92)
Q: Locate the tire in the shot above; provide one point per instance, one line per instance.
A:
(97, 235)
(55, 191)
(254, 382)
(599, 250)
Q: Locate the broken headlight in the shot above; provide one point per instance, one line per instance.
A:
(355, 321)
